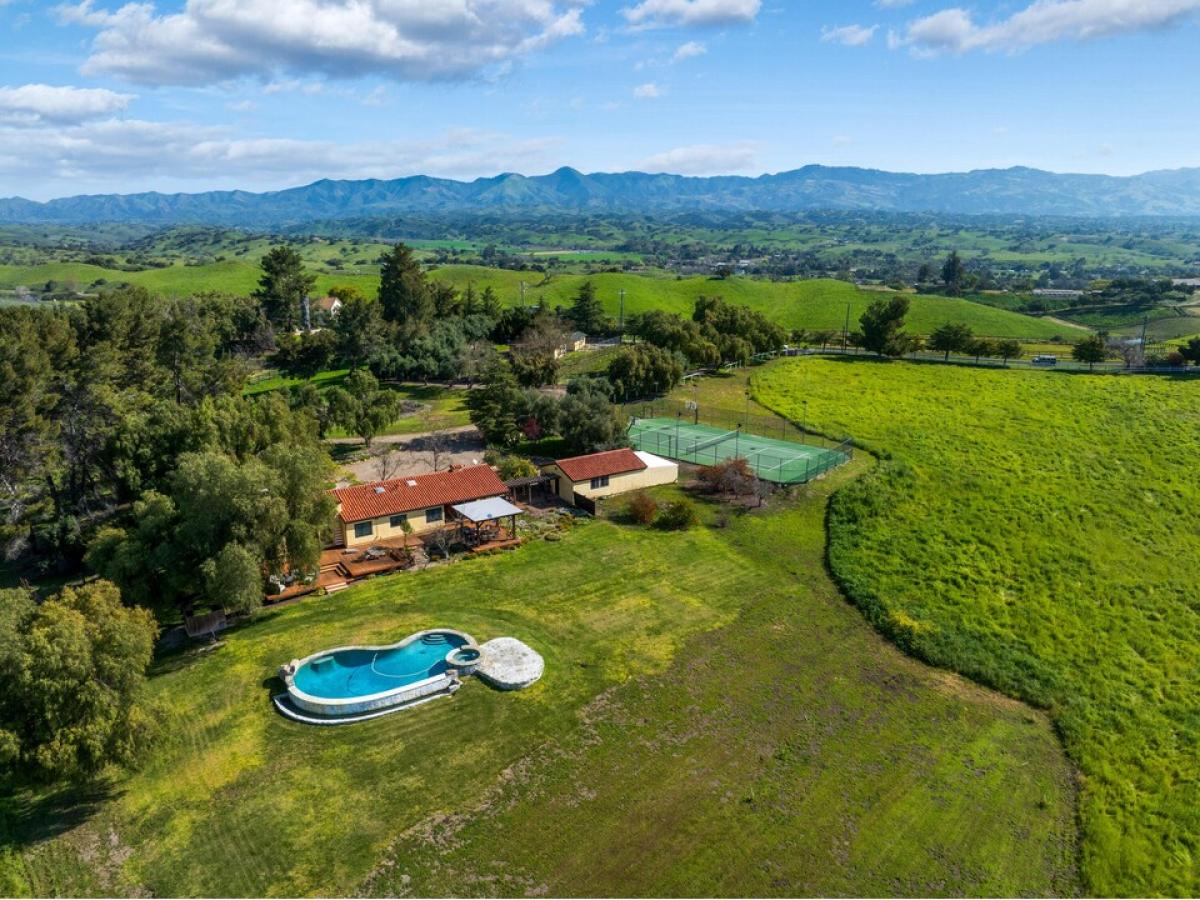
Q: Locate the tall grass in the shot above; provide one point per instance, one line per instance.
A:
(1039, 532)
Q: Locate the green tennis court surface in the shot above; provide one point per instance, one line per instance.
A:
(772, 459)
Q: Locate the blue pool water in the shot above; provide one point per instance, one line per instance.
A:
(360, 672)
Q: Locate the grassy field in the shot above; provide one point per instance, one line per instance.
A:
(819, 304)
(715, 719)
(1039, 532)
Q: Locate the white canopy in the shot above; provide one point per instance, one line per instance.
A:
(487, 510)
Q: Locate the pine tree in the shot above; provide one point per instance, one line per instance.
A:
(404, 294)
(587, 312)
(283, 287)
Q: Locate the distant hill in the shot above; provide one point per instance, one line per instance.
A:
(1017, 191)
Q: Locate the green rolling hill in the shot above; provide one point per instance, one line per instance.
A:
(818, 304)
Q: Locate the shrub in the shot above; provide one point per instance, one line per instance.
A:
(678, 515)
(642, 508)
(733, 476)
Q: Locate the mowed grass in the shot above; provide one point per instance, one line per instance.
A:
(815, 305)
(1040, 532)
(714, 718)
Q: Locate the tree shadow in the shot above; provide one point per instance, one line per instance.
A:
(31, 815)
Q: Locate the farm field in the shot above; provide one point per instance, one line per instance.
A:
(826, 763)
(1039, 532)
(815, 304)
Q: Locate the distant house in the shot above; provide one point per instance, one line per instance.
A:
(573, 343)
(369, 513)
(330, 306)
(1057, 293)
(607, 474)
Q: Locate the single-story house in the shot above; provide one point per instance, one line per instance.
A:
(572, 343)
(329, 305)
(610, 473)
(369, 513)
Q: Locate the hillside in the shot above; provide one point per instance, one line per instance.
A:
(1015, 191)
(817, 304)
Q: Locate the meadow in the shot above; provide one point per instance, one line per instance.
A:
(811, 304)
(1040, 533)
(715, 718)
(815, 304)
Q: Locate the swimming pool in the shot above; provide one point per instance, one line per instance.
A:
(356, 680)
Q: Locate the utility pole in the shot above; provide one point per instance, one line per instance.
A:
(846, 329)
(621, 319)
(522, 295)
(1142, 345)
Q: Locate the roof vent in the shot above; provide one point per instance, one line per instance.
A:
(379, 489)
(411, 483)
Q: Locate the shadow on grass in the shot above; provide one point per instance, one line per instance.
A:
(30, 814)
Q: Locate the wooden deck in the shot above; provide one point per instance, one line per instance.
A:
(340, 566)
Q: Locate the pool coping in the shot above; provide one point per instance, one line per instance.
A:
(285, 707)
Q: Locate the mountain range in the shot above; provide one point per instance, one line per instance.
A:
(1015, 191)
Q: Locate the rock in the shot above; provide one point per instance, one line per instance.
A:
(509, 665)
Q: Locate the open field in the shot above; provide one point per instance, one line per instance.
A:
(814, 304)
(1039, 532)
(714, 718)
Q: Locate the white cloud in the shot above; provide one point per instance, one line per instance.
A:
(211, 41)
(849, 35)
(102, 155)
(704, 159)
(689, 13)
(688, 50)
(33, 104)
(1044, 21)
(647, 91)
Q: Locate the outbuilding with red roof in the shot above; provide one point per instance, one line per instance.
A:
(598, 475)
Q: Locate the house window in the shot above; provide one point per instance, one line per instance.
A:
(364, 529)
(399, 521)
(601, 482)
(434, 514)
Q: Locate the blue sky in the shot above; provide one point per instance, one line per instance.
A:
(107, 96)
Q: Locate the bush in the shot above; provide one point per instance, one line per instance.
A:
(642, 508)
(733, 476)
(678, 515)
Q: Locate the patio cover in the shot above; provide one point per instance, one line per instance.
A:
(487, 510)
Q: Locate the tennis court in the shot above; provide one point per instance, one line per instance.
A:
(772, 459)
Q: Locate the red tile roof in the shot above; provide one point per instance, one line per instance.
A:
(597, 465)
(389, 498)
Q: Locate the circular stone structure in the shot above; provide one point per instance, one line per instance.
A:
(509, 665)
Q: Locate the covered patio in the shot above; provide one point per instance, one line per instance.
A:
(482, 523)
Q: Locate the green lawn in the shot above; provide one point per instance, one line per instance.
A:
(714, 718)
(1041, 533)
